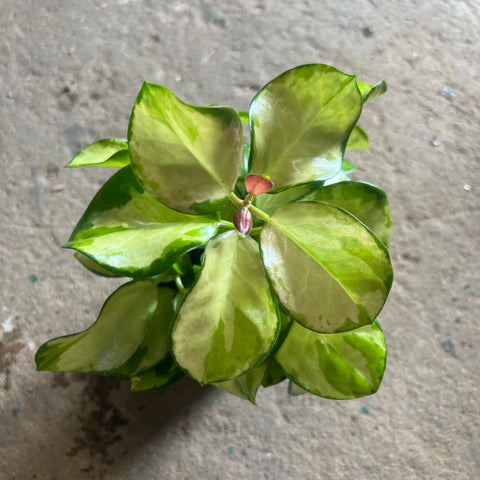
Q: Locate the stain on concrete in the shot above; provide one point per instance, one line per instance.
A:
(33, 278)
(99, 420)
(9, 349)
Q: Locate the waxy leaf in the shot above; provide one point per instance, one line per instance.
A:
(116, 335)
(228, 322)
(187, 157)
(270, 202)
(370, 92)
(358, 139)
(154, 347)
(112, 152)
(300, 124)
(94, 267)
(339, 366)
(247, 385)
(328, 269)
(159, 377)
(364, 201)
(128, 232)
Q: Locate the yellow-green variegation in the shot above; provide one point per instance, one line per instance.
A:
(340, 366)
(110, 342)
(366, 202)
(112, 152)
(127, 231)
(228, 322)
(328, 269)
(300, 123)
(251, 263)
(187, 157)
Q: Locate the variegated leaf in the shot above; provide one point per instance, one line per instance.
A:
(128, 232)
(328, 269)
(154, 347)
(300, 123)
(188, 157)
(364, 201)
(116, 335)
(370, 92)
(112, 152)
(339, 366)
(228, 322)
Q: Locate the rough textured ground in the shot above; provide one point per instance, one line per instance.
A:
(69, 74)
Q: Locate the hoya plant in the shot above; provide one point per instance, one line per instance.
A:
(246, 264)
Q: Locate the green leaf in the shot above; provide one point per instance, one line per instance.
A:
(118, 332)
(128, 232)
(187, 157)
(243, 117)
(157, 378)
(364, 201)
(269, 202)
(112, 152)
(300, 123)
(370, 92)
(245, 386)
(154, 347)
(228, 322)
(358, 139)
(340, 366)
(93, 266)
(274, 373)
(328, 269)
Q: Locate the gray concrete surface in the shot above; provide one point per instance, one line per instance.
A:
(69, 74)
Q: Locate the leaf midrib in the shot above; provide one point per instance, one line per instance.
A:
(308, 125)
(177, 131)
(300, 245)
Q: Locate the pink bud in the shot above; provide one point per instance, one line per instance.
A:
(257, 184)
(242, 219)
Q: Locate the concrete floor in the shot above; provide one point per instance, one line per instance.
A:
(69, 75)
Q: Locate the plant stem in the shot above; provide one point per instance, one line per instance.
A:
(256, 211)
(260, 213)
(236, 200)
(179, 283)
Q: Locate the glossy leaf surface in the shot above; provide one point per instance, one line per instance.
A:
(128, 232)
(366, 202)
(112, 152)
(228, 322)
(247, 385)
(328, 269)
(270, 202)
(300, 123)
(116, 335)
(370, 92)
(339, 366)
(94, 267)
(154, 346)
(187, 157)
(358, 139)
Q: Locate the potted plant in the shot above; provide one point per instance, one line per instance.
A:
(247, 264)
